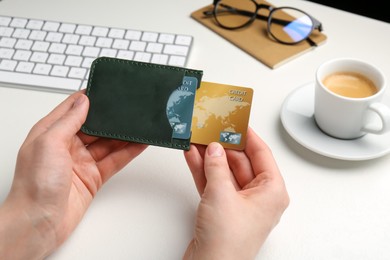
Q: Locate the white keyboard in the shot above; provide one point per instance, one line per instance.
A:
(56, 56)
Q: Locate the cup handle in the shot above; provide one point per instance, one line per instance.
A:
(383, 112)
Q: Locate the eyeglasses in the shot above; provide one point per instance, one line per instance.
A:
(286, 25)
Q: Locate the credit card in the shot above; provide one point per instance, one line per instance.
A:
(180, 108)
(221, 114)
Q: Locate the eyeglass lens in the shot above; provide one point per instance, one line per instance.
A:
(234, 14)
(287, 25)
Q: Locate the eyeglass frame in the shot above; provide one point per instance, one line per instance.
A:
(316, 25)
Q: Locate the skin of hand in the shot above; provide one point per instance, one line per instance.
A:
(58, 172)
(243, 197)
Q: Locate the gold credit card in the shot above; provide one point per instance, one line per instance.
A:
(221, 114)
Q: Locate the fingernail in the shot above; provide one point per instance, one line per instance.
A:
(79, 101)
(215, 150)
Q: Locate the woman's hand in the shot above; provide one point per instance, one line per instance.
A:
(58, 172)
(243, 196)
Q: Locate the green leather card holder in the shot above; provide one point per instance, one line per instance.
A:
(129, 99)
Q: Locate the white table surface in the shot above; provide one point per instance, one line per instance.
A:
(339, 209)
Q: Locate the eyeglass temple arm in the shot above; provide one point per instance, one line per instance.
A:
(317, 24)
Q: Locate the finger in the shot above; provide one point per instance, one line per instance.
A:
(42, 125)
(217, 169)
(87, 139)
(260, 156)
(118, 159)
(194, 158)
(102, 147)
(67, 126)
(241, 167)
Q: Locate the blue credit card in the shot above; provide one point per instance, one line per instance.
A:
(180, 107)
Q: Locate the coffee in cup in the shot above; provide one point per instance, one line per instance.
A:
(348, 94)
(350, 84)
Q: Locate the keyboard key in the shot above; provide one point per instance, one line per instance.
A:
(183, 40)
(87, 62)
(42, 69)
(176, 50)
(133, 35)
(37, 35)
(8, 65)
(74, 50)
(67, 28)
(100, 31)
(160, 59)
(6, 31)
(126, 55)
(18, 22)
(91, 52)
(22, 55)
(104, 42)
(137, 46)
(116, 33)
(54, 37)
(149, 37)
(56, 59)
(57, 48)
(26, 67)
(108, 53)
(24, 44)
(84, 29)
(34, 24)
(6, 53)
(7, 42)
(77, 73)
(40, 46)
(74, 61)
(71, 38)
(142, 56)
(5, 21)
(177, 61)
(60, 71)
(40, 57)
(166, 38)
(21, 33)
(51, 26)
(87, 40)
(121, 44)
(154, 47)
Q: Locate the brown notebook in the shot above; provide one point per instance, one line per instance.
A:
(255, 40)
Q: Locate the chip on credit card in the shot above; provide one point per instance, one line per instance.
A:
(221, 114)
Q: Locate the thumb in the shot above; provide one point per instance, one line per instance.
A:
(216, 167)
(70, 123)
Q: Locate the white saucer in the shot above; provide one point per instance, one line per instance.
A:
(298, 120)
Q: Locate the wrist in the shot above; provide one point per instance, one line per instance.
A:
(216, 251)
(24, 233)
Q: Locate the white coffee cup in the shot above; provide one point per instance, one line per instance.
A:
(339, 114)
